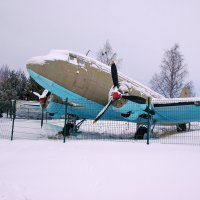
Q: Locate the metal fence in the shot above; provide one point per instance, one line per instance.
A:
(18, 122)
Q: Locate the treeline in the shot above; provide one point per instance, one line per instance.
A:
(15, 85)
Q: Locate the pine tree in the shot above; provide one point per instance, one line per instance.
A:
(15, 85)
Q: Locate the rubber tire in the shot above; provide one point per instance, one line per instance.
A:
(181, 128)
(69, 128)
(139, 135)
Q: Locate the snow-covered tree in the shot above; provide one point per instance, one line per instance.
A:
(8, 86)
(15, 85)
(22, 84)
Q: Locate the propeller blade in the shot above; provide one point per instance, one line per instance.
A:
(135, 99)
(114, 75)
(102, 111)
(37, 94)
(45, 93)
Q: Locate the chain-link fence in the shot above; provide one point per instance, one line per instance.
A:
(6, 119)
(24, 121)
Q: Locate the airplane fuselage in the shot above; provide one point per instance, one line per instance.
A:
(85, 76)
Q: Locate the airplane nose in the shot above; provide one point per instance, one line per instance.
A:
(54, 68)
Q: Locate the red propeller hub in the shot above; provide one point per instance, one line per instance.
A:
(116, 95)
(43, 99)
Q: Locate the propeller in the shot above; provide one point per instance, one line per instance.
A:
(116, 94)
(42, 98)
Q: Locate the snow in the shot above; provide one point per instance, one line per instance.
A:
(176, 100)
(31, 129)
(34, 170)
(53, 55)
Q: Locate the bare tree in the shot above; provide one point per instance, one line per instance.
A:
(107, 54)
(171, 79)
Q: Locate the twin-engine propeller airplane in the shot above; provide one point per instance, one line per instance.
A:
(97, 91)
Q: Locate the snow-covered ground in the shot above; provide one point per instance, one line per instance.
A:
(33, 167)
(41, 169)
(106, 130)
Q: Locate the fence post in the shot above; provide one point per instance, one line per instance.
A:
(46, 117)
(42, 117)
(148, 121)
(28, 113)
(65, 126)
(10, 110)
(13, 110)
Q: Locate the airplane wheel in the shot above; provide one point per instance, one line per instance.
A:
(69, 129)
(141, 131)
(181, 127)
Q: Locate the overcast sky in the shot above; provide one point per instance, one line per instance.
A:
(138, 30)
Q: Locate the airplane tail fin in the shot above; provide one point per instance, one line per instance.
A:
(185, 92)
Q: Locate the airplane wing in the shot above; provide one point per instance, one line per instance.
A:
(167, 111)
(177, 110)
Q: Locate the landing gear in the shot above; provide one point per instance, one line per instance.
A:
(140, 133)
(71, 127)
(67, 130)
(181, 127)
(142, 127)
(77, 126)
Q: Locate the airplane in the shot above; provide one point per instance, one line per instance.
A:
(99, 92)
